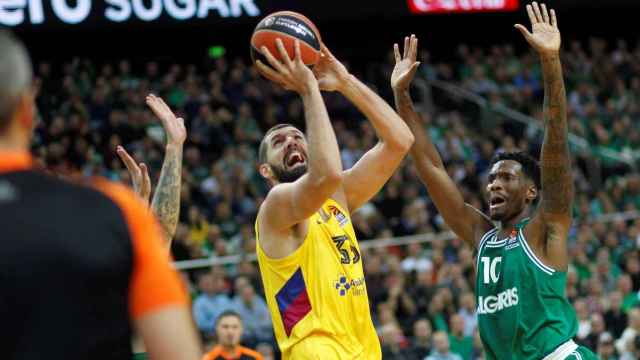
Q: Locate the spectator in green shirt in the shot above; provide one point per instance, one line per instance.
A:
(629, 297)
(459, 343)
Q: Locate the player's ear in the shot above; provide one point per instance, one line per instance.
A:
(532, 193)
(265, 171)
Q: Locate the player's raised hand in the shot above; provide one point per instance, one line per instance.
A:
(139, 174)
(545, 36)
(330, 72)
(173, 126)
(406, 64)
(292, 74)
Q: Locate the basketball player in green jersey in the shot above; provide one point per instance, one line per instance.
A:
(522, 261)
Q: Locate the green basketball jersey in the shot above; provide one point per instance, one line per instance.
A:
(523, 312)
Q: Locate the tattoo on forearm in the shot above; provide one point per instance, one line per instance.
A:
(557, 182)
(166, 200)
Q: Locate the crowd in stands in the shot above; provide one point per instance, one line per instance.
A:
(421, 295)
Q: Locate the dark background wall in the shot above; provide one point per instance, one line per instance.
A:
(360, 30)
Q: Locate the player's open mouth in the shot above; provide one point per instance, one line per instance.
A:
(294, 158)
(496, 202)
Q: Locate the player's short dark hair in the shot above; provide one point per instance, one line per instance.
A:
(16, 75)
(262, 152)
(228, 313)
(530, 166)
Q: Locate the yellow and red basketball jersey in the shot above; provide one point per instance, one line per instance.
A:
(317, 296)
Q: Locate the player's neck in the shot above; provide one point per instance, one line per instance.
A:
(509, 225)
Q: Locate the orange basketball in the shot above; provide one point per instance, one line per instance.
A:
(288, 26)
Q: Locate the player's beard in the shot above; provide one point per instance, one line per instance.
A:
(288, 176)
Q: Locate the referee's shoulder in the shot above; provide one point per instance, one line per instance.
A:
(129, 203)
(115, 192)
(97, 193)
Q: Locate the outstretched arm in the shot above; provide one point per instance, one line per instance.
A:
(371, 172)
(166, 200)
(555, 160)
(288, 204)
(462, 218)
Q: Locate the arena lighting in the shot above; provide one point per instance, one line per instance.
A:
(34, 12)
(461, 6)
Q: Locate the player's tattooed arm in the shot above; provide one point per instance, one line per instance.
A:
(554, 218)
(166, 200)
(557, 184)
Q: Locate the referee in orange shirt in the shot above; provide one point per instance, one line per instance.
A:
(229, 332)
(81, 265)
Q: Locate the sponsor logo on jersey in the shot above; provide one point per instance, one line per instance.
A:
(342, 218)
(492, 303)
(513, 241)
(344, 285)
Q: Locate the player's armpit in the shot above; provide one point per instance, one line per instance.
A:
(291, 203)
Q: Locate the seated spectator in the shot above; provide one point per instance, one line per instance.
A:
(478, 348)
(254, 312)
(615, 319)
(212, 302)
(421, 342)
(468, 313)
(605, 349)
(228, 333)
(458, 342)
(629, 297)
(584, 323)
(398, 300)
(633, 350)
(597, 329)
(416, 260)
(394, 344)
(441, 350)
(629, 334)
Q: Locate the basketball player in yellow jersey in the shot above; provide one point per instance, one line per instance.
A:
(309, 257)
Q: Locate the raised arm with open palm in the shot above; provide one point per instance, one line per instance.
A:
(467, 222)
(166, 200)
(554, 216)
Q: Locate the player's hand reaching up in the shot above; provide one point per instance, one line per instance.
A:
(292, 74)
(173, 126)
(406, 65)
(545, 36)
(330, 72)
(176, 134)
(139, 174)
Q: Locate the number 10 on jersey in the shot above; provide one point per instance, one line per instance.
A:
(489, 267)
